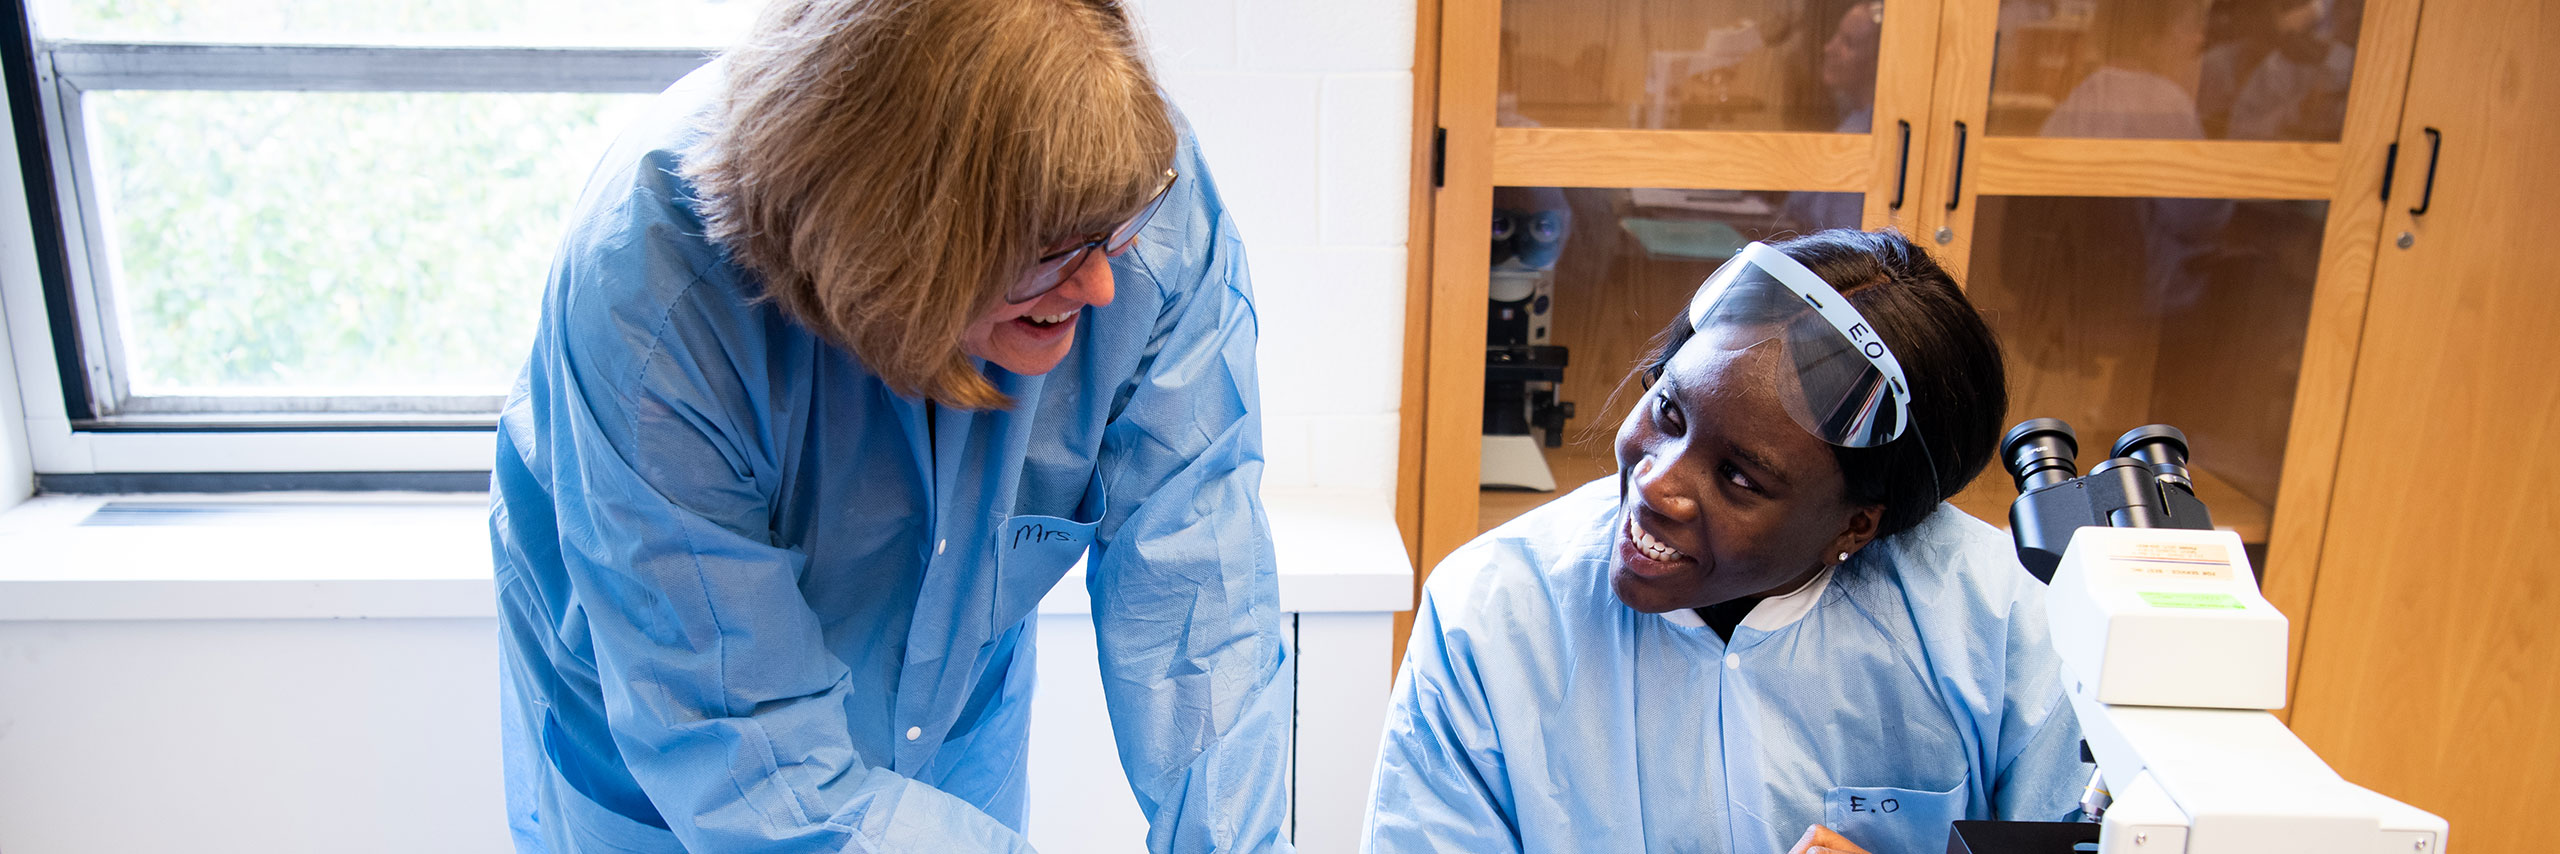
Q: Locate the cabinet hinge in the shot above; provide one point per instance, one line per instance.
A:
(1439, 157)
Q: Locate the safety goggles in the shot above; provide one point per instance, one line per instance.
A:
(1845, 386)
(1056, 268)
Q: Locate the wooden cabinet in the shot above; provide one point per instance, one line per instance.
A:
(2170, 215)
(2170, 210)
(2431, 665)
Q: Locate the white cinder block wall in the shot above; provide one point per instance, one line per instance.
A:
(1305, 111)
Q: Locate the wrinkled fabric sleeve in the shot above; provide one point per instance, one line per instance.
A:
(1185, 603)
(1433, 789)
(2038, 773)
(721, 694)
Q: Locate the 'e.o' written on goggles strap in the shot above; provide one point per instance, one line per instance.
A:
(1828, 303)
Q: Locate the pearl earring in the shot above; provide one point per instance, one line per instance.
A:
(1844, 557)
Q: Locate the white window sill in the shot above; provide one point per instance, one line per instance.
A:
(409, 555)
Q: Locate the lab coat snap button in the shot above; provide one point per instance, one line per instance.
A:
(1732, 661)
(914, 732)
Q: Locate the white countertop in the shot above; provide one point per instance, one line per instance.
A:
(416, 555)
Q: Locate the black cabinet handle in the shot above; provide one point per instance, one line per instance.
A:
(1902, 169)
(1955, 194)
(2427, 196)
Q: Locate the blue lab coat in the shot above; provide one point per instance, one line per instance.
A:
(751, 600)
(1909, 687)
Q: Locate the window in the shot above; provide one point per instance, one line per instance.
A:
(317, 214)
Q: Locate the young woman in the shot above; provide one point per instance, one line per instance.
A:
(1766, 633)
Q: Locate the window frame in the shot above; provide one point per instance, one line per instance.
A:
(69, 352)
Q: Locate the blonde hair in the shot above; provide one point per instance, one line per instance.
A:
(888, 168)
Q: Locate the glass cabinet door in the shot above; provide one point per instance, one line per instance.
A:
(1777, 95)
(2174, 69)
(2157, 98)
(2167, 210)
(1583, 280)
(1734, 65)
(1668, 134)
(2114, 313)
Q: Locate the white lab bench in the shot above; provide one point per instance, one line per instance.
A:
(318, 673)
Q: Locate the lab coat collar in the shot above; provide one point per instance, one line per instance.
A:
(1772, 614)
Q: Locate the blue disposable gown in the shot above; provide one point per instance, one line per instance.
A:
(752, 600)
(1535, 712)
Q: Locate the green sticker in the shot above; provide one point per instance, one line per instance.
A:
(2222, 601)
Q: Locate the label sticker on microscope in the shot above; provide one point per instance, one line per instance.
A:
(2205, 601)
(2197, 561)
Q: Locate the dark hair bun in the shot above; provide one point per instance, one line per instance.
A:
(1959, 391)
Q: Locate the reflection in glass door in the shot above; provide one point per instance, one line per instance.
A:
(1582, 281)
(2114, 313)
(2174, 69)
(1740, 119)
(1735, 65)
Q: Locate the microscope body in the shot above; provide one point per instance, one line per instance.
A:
(2172, 660)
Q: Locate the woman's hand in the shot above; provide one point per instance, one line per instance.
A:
(1821, 840)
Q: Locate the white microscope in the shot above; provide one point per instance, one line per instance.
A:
(2172, 660)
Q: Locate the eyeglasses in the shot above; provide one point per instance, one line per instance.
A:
(1056, 268)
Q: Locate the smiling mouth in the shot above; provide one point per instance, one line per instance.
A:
(1646, 545)
(1049, 321)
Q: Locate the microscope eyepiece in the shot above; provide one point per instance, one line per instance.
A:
(2129, 489)
(2163, 448)
(2039, 452)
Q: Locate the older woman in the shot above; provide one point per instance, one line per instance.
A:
(854, 346)
(1766, 633)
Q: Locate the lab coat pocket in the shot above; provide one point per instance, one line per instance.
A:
(586, 825)
(1886, 820)
(1033, 552)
